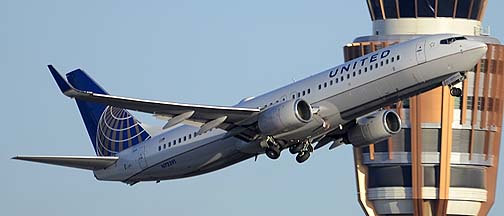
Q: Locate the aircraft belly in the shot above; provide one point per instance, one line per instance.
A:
(193, 162)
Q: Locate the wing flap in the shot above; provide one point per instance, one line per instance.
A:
(80, 162)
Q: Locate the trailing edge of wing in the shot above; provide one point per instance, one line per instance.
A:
(202, 113)
(81, 162)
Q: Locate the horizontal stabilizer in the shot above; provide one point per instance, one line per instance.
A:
(81, 162)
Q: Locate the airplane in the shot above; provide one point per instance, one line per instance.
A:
(340, 105)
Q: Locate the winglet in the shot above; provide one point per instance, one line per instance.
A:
(62, 83)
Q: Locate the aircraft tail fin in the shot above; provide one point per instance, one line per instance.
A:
(110, 129)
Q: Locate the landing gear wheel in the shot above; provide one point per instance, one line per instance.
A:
(302, 157)
(296, 148)
(456, 92)
(272, 153)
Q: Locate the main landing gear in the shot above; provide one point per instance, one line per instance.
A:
(273, 150)
(453, 80)
(303, 150)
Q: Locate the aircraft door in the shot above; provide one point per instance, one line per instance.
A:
(420, 52)
(142, 160)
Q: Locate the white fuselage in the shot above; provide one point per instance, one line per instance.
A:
(339, 95)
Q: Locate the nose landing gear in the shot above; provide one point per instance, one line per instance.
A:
(452, 81)
(456, 92)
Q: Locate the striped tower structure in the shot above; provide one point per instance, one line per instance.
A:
(444, 161)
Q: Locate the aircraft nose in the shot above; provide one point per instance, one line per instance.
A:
(479, 47)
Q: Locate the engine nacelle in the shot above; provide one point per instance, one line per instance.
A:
(285, 117)
(374, 128)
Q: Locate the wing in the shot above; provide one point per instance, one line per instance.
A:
(210, 116)
(81, 162)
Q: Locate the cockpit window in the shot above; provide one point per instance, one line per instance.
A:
(452, 39)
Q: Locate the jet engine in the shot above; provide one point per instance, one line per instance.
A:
(374, 128)
(285, 117)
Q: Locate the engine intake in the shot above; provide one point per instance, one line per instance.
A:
(374, 128)
(285, 117)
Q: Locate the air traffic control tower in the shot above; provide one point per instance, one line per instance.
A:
(444, 161)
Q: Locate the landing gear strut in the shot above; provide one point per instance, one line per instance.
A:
(304, 152)
(453, 80)
(273, 150)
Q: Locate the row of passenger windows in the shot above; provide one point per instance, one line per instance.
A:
(293, 96)
(341, 78)
(175, 141)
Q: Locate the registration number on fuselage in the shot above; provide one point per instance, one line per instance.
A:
(169, 163)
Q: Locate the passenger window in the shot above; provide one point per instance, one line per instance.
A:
(398, 57)
(365, 69)
(331, 82)
(179, 140)
(342, 78)
(325, 85)
(360, 71)
(174, 142)
(354, 73)
(386, 61)
(381, 63)
(376, 65)
(299, 94)
(320, 86)
(169, 144)
(304, 93)
(164, 146)
(195, 134)
(190, 136)
(309, 91)
(159, 148)
(277, 101)
(348, 76)
(336, 80)
(370, 67)
(392, 59)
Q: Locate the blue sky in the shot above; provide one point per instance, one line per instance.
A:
(208, 52)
